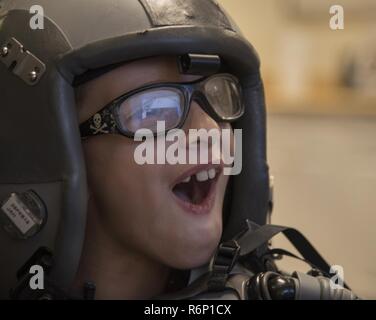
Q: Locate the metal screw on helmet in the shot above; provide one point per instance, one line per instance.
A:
(33, 76)
(4, 51)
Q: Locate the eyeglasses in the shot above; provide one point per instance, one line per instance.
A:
(219, 96)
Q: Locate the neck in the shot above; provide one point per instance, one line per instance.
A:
(117, 272)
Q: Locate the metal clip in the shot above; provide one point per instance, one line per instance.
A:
(222, 264)
(22, 62)
(199, 64)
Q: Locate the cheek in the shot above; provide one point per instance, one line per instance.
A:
(127, 195)
(106, 163)
(111, 178)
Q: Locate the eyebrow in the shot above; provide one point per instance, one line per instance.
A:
(158, 81)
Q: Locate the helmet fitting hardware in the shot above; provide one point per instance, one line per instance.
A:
(4, 51)
(33, 76)
(22, 215)
(21, 62)
(199, 64)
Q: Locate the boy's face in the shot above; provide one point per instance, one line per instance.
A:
(138, 207)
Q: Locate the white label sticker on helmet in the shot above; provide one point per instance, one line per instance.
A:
(18, 214)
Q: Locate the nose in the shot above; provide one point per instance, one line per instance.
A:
(198, 119)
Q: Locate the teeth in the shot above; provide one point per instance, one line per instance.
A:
(206, 175)
(202, 176)
(187, 180)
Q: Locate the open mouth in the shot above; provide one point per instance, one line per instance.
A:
(197, 189)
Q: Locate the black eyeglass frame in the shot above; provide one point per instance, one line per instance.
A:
(192, 91)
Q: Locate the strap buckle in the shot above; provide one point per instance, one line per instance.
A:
(223, 262)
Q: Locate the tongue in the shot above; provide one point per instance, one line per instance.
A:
(200, 191)
(181, 192)
(194, 192)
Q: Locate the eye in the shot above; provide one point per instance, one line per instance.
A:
(224, 95)
(160, 105)
(143, 110)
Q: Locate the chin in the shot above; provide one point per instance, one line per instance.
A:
(196, 253)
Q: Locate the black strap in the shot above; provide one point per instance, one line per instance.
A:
(224, 260)
(253, 239)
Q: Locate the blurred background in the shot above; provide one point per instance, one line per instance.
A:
(321, 99)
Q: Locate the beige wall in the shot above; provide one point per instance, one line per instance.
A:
(324, 166)
(302, 58)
